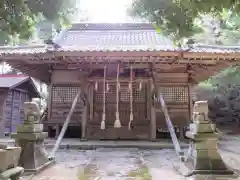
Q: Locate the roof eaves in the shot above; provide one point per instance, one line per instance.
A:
(19, 83)
(31, 82)
(35, 88)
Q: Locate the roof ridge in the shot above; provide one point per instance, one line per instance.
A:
(111, 26)
(13, 76)
(217, 46)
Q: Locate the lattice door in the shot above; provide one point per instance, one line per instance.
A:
(175, 94)
(139, 103)
(176, 98)
(62, 99)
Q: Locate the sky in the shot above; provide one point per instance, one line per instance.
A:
(106, 11)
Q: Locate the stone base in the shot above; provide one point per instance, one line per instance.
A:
(33, 156)
(9, 157)
(188, 170)
(13, 173)
(207, 172)
(39, 169)
(215, 177)
(83, 139)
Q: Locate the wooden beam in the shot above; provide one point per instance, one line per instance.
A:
(116, 53)
(199, 61)
(99, 79)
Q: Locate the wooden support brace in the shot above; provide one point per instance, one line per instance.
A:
(65, 125)
(168, 120)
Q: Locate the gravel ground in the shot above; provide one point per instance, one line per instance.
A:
(130, 163)
(113, 164)
(121, 164)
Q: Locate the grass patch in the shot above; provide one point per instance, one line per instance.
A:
(88, 172)
(140, 174)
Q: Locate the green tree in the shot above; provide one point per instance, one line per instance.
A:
(18, 18)
(182, 19)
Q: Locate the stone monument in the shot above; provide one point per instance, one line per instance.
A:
(30, 138)
(203, 156)
(9, 157)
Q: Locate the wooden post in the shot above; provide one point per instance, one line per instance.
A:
(190, 103)
(153, 125)
(84, 122)
(85, 112)
(57, 127)
(49, 102)
(181, 133)
(148, 100)
(91, 93)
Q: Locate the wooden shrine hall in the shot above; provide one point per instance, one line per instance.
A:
(119, 68)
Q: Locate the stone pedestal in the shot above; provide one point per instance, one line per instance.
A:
(9, 157)
(203, 156)
(30, 138)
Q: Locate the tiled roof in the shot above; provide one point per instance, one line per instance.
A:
(9, 81)
(26, 49)
(215, 48)
(113, 37)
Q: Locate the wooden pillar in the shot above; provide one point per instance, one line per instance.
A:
(153, 125)
(91, 94)
(148, 100)
(190, 103)
(181, 133)
(84, 122)
(84, 112)
(57, 128)
(49, 102)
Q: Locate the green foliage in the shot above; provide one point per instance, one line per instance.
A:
(182, 19)
(172, 20)
(18, 18)
(223, 80)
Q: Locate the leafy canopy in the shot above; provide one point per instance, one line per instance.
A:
(18, 18)
(181, 19)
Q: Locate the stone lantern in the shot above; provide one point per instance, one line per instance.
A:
(30, 138)
(203, 156)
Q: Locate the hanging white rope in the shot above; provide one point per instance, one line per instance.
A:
(96, 86)
(108, 88)
(131, 98)
(117, 123)
(140, 86)
(104, 100)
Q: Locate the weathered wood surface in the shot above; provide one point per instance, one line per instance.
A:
(175, 95)
(3, 96)
(13, 109)
(62, 98)
(140, 123)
